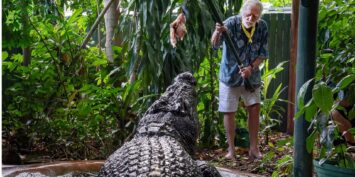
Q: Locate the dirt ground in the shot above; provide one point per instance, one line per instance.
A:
(279, 145)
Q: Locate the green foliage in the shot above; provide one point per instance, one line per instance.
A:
(67, 103)
(211, 132)
(231, 7)
(336, 39)
(323, 97)
(15, 23)
(284, 166)
(319, 109)
(335, 64)
(80, 118)
(72, 104)
(150, 54)
(269, 108)
(271, 160)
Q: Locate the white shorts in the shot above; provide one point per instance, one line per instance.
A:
(229, 97)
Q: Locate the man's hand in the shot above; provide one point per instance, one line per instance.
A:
(219, 29)
(177, 29)
(246, 71)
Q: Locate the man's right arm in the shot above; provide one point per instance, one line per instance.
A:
(216, 36)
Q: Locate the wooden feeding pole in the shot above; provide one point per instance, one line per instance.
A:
(292, 67)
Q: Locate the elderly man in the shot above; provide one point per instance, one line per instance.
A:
(249, 35)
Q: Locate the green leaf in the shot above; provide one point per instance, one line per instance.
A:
(323, 97)
(17, 57)
(99, 62)
(70, 88)
(351, 114)
(352, 131)
(114, 71)
(302, 93)
(4, 55)
(117, 49)
(310, 110)
(300, 112)
(310, 141)
(345, 81)
(281, 149)
(275, 174)
(75, 15)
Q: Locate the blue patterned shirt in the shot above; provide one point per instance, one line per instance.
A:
(247, 52)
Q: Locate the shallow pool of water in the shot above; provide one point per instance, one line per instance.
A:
(86, 168)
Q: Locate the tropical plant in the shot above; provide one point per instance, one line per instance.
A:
(318, 112)
(336, 40)
(276, 159)
(151, 58)
(284, 166)
(76, 120)
(335, 64)
(211, 123)
(271, 112)
(69, 103)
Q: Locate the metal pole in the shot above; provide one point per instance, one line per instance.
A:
(306, 56)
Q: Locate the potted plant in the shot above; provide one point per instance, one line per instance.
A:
(331, 150)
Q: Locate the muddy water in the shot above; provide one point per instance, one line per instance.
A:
(86, 168)
(64, 168)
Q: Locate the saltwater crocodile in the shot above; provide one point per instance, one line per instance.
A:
(165, 139)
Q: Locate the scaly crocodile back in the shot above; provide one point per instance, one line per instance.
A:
(165, 138)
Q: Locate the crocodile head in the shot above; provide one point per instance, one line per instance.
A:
(174, 113)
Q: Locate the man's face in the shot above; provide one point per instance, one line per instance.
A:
(250, 16)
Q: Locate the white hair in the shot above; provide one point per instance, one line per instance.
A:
(249, 3)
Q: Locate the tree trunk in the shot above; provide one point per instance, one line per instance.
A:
(26, 50)
(96, 23)
(292, 67)
(137, 61)
(111, 21)
(98, 27)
